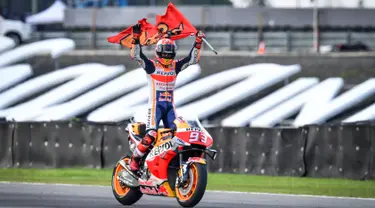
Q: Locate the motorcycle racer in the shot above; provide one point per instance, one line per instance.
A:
(161, 75)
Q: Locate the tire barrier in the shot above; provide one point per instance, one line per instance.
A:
(6, 139)
(334, 150)
(261, 151)
(115, 144)
(372, 162)
(56, 145)
(339, 151)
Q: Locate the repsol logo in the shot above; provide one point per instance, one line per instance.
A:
(160, 149)
(171, 73)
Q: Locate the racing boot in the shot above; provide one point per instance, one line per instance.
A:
(141, 149)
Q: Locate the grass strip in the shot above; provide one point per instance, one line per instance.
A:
(216, 181)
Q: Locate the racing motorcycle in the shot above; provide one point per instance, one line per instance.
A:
(174, 167)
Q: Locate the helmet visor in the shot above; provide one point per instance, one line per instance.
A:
(166, 48)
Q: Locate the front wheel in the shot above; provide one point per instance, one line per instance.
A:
(125, 195)
(191, 194)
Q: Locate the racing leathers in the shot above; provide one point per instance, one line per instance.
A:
(161, 75)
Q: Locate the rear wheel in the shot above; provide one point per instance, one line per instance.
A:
(191, 194)
(125, 195)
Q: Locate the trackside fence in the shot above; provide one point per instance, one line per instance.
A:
(329, 150)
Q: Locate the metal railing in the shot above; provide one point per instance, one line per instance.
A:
(236, 41)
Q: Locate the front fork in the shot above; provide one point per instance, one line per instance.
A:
(183, 172)
(184, 167)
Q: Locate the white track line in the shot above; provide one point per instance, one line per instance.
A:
(293, 195)
(229, 192)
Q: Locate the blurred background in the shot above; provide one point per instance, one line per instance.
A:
(236, 25)
(280, 63)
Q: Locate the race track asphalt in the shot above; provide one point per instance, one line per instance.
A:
(41, 195)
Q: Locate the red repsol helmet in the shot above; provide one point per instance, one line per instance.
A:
(165, 51)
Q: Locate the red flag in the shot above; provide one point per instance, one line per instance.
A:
(174, 22)
(149, 35)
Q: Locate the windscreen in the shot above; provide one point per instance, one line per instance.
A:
(193, 124)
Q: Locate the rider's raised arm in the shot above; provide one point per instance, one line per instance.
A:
(136, 51)
(194, 55)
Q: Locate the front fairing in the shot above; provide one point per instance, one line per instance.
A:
(194, 137)
(192, 131)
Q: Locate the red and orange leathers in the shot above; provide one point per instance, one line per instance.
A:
(161, 82)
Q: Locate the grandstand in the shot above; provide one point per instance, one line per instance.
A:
(284, 27)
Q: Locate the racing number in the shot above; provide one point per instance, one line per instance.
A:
(197, 136)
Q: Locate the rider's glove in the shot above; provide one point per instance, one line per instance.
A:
(136, 33)
(199, 39)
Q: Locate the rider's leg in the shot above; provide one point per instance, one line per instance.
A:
(142, 149)
(152, 122)
(170, 116)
